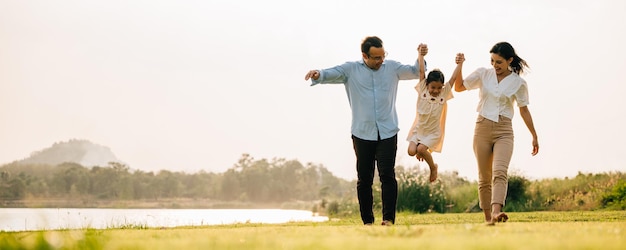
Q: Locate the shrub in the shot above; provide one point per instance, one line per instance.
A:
(461, 194)
(517, 200)
(463, 198)
(616, 198)
(584, 192)
(333, 208)
(417, 194)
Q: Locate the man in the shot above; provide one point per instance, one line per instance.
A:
(372, 86)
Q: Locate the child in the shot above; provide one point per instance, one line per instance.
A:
(428, 129)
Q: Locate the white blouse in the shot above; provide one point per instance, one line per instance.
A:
(497, 98)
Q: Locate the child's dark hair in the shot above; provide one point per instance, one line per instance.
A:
(506, 51)
(435, 75)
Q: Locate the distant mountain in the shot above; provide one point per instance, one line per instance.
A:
(82, 152)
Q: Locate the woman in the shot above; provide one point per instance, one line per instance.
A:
(499, 87)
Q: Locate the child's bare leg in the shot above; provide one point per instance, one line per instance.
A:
(422, 150)
(412, 149)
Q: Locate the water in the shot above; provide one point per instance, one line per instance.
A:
(28, 219)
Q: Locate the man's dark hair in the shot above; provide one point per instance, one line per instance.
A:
(371, 41)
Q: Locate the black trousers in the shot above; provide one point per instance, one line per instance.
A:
(380, 153)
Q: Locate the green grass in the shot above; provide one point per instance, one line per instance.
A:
(531, 230)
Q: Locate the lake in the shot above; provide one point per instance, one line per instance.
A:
(28, 219)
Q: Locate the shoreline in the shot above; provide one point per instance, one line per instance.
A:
(154, 203)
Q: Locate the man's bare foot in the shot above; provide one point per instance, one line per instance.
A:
(433, 173)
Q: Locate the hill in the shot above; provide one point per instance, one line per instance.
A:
(82, 152)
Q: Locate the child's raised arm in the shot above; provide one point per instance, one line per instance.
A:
(423, 50)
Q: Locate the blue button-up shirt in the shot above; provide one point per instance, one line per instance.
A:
(372, 95)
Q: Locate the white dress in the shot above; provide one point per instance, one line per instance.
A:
(430, 117)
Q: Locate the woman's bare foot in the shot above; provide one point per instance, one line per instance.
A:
(488, 217)
(433, 173)
(499, 217)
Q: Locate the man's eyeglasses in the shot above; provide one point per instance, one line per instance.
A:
(378, 58)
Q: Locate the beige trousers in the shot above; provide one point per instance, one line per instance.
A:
(493, 147)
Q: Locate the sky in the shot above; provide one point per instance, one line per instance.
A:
(193, 85)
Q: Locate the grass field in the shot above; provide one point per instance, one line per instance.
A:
(532, 230)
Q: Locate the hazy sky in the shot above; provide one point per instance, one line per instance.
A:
(192, 85)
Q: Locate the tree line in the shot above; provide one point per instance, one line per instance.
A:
(280, 181)
(249, 180)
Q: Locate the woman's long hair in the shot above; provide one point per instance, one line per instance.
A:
(506, 51)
